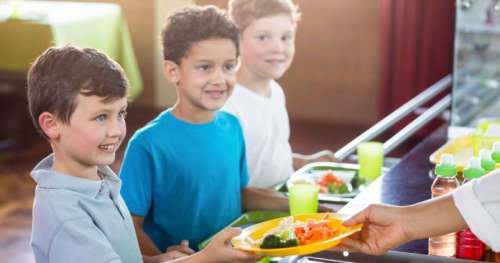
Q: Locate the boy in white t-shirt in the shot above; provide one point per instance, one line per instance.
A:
(267, 30)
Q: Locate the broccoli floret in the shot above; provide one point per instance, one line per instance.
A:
(271, 241)
(274, 241)
(335, 189)
(291, 243)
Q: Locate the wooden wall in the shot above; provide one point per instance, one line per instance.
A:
(335, 74)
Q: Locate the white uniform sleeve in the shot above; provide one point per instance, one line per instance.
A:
(479, 204)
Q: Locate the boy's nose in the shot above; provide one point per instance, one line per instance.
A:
(218, 77)
(278, 45)
(115, 128)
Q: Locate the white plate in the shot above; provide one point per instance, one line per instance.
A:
(312, 176)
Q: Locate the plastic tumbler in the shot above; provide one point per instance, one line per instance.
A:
(303, 198)
(370, 158)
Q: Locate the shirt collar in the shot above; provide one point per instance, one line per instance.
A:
(46, 177)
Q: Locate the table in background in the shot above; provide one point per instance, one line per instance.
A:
(42, 24)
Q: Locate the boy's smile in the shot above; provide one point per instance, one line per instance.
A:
(205, 79)
(92, 137)
(268, 46)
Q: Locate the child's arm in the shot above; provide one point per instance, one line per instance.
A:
(150, 252)
(253, 198)
(300, 160)
(145, 243)
(219, 250)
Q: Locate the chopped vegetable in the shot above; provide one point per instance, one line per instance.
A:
(290, 233)
(314, 231)
(329, 183)
(274, 241)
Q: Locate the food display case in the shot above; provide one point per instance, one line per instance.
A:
(476, 70)
(475, 106)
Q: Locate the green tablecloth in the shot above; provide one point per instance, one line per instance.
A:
(43, 24)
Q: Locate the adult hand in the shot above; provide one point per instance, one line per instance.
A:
(384, 227)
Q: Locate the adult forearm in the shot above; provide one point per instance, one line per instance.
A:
(263, 199)
(434, 217)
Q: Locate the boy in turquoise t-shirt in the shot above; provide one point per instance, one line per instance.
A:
(184, 174)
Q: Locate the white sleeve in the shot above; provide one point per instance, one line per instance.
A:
(479, 204)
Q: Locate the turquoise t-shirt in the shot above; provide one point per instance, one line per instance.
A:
(184, 178)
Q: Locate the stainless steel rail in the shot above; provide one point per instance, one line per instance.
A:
(416, 124)
(399, 114)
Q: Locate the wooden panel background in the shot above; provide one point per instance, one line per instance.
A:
(335, 75)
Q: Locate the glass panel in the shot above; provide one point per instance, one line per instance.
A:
(476, 86)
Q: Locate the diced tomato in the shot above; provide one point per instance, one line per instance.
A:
(329, 178)
(313, 232)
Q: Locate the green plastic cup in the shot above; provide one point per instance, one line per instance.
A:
(370, 159)
(303, 198)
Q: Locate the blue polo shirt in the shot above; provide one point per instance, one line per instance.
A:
(80, 220)
(184, 178)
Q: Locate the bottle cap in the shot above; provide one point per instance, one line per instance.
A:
(496, 152)
(486, 161)
(446, 166)
(496, 147)
(474, 169)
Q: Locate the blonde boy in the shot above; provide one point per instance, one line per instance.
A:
(267, 49)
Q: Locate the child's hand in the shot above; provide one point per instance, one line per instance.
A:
(182, 248)
(219, 249)
(174, 252)
(384, 228)
(325, 209)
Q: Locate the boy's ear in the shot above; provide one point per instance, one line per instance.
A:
(171, 71)
(49, 125)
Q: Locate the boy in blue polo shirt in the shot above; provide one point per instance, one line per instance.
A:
(77, 100)
(185, 174)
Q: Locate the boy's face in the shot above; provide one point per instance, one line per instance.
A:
(268, 46)
(94, 133)
(205, 76)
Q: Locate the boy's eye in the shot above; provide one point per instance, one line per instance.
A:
(286, 38)
(263, 37)
(122, 114)
(204, 67)
(229, 67)
(101, 118)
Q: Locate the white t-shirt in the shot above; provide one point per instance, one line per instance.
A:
(479, 203)
(266, 130)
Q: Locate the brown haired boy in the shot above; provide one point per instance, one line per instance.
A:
(184, 174)
(77, 100)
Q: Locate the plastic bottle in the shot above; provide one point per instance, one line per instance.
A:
(445, 182)
(468, 245)
(495, 155)
(486, 161)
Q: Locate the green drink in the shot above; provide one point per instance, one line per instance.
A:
(370, 158)
(303, 198)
